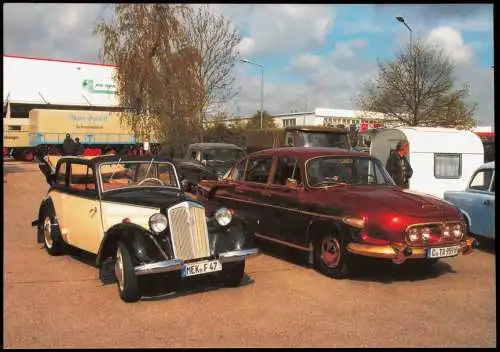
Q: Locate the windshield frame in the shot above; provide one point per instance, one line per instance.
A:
(369, 157)
(135, 187)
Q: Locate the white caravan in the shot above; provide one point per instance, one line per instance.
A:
(442, 159)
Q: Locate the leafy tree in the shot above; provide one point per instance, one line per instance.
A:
(172, 61)
(417, 88)
(267, 121)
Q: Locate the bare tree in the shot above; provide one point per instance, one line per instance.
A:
(216, 42)
(159, 62)
(418, 89)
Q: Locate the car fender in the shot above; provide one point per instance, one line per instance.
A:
(139, 241)
(47, 207)
(467, 218)
(317, 225)
(236, 236)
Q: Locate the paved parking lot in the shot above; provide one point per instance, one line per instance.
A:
(59, 302)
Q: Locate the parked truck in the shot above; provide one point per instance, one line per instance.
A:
(297, 136)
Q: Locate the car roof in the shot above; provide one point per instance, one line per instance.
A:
(115, 158)
(309, 152)
(490, 165)
(214, 145)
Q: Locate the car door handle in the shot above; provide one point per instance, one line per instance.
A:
(486, 202)
(93, 210)
(239, 191)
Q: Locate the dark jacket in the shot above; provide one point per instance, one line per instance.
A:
(79, 148)
(399, 168)
(68, 146)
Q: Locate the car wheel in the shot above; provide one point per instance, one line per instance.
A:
(127, 281)
(330, 256)
(53, 246)
(232, 273)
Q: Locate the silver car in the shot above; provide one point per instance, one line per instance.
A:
(477, 201)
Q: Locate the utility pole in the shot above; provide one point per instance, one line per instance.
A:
(413, 54)
(261, 87)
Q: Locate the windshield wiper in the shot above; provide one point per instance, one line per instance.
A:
(330, 182)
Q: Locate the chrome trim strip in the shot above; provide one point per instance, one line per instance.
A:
(235, 256)
(159, 267)
(292, 245)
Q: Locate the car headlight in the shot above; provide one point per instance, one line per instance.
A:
(413, 235)
(457, 231)
(158, 223)
(426, 233)
(223, 216)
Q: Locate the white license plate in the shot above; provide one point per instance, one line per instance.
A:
(443, 252)
(200, 268)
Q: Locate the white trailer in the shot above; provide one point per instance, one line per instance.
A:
(442, 159)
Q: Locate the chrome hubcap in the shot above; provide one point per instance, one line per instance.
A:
(330, 252)
(47, 233)
(119, 268)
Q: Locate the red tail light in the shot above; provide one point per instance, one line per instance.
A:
(365, 237)
(126, 220)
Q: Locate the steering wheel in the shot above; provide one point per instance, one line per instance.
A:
(151, 179)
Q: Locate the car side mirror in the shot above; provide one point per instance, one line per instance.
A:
(184, 185)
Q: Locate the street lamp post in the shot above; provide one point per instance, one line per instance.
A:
(305, 105)
(261, 87)
(412, 51)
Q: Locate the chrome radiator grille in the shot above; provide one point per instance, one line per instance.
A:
(189, 232)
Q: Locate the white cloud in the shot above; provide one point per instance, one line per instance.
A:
(346, 50)
(287, 28)
(452, 43)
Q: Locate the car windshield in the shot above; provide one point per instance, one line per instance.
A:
(222, 154)
(334, 170)
(324, 139)
(133, 174)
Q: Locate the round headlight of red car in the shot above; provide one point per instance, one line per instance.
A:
(413, 235)
(457, 231)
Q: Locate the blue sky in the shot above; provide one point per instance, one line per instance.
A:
(324, 51)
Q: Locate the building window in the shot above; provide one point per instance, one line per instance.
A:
(289, 122)
(447, 165)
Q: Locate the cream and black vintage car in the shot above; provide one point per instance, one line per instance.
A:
(132, 213)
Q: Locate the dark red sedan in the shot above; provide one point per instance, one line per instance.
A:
(337, 204)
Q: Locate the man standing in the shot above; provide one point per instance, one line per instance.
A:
(68, 146)
(78, 147)
(398, 165)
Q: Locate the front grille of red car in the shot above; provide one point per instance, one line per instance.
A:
(436, 234)
(188, 231)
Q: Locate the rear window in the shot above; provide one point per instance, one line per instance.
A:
(324, 139)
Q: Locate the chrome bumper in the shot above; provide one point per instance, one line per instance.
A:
(166, 266)
(235, 256)
(400, 252)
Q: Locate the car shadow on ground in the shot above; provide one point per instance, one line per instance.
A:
(170, 289)
(369, 269)
(162, 287)
(486, 244)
